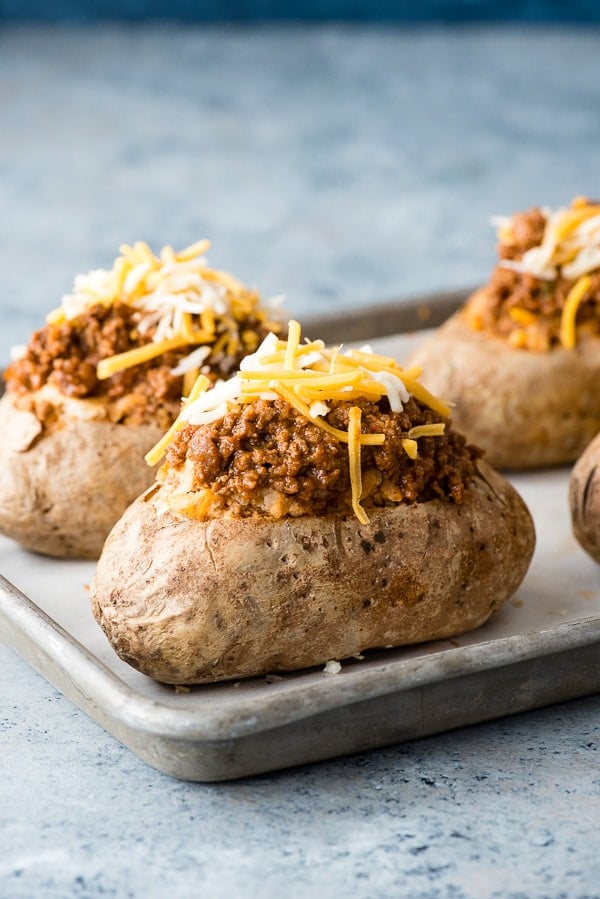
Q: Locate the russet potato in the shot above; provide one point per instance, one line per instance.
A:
(189, 602)
(62, 489)
(526, 409)
(584, 499)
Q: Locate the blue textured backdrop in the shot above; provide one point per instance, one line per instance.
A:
(310, 10)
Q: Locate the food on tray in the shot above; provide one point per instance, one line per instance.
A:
(521, 359)
(317, 504)
(584, 499)
(96, 387)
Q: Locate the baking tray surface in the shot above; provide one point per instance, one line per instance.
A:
(541, 647)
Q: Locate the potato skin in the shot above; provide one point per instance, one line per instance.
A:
(584, 499)
(190, 602)
(62, 491)
(526, 409)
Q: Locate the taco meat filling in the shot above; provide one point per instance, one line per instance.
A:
(265, 459)
(523, 309)
(65, 357)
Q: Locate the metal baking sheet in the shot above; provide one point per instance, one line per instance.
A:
(542, 647)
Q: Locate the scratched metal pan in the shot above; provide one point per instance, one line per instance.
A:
(541, 648)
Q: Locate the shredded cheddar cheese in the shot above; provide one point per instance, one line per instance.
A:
(434, 430)
(181, 302)
(517, 340)
(189, 379)
(154, 455)
(577, 293)
(570, 249)
(522, 316)
(354, 438)
(570, 245)
(291, 349)
(108, 367)
(410, 447)
(309, 377)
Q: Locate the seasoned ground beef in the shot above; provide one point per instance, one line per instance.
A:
(527, 232)
(265, 458)
(508, 290)
(66, 355)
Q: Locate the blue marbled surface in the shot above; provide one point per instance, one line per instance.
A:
(302, 10)
(339, 166)
(335, 165)
(507, 810)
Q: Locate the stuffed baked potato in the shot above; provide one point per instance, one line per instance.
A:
(521, 360)
(99, 384)
(584, 499)
(316, 505)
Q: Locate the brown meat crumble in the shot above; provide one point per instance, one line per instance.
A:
(265, 459)
(66, 355)
(510, 290)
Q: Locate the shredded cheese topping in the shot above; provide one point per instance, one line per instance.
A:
(568, 335)
(181, 302)
(310, 377)
(570, 248)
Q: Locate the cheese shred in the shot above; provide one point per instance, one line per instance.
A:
(179, 302)
(354, 434)
(310, 377)
(108, 367)
(410, 447)
(154, 455)
(568, 334)
(570, 250)
(433, 430)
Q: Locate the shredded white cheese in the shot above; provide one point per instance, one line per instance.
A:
(332, 667)
(570, 246)
(18, 351)
(194, 360)
(178, 298)
(318, 408)
(310, 377)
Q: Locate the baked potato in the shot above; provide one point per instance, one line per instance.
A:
(61, 491)
(520, 361)
(316, 505)
(584, 499)
(96, 387)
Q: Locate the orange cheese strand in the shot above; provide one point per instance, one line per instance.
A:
(223, 278)
(568, 334)
(308, 393)
(154, 455)
(522, 316)
(187, 328)
(354, 435)
(572, 218)
(312, 378)
(189, 379)
(421, 393)
(410, 447)
(196, 249)
(433, 430)
(294, 334)
(375, 363)
(207, 321)
(303, 409)
(111, 365)
(201, 384)
(408, 378)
